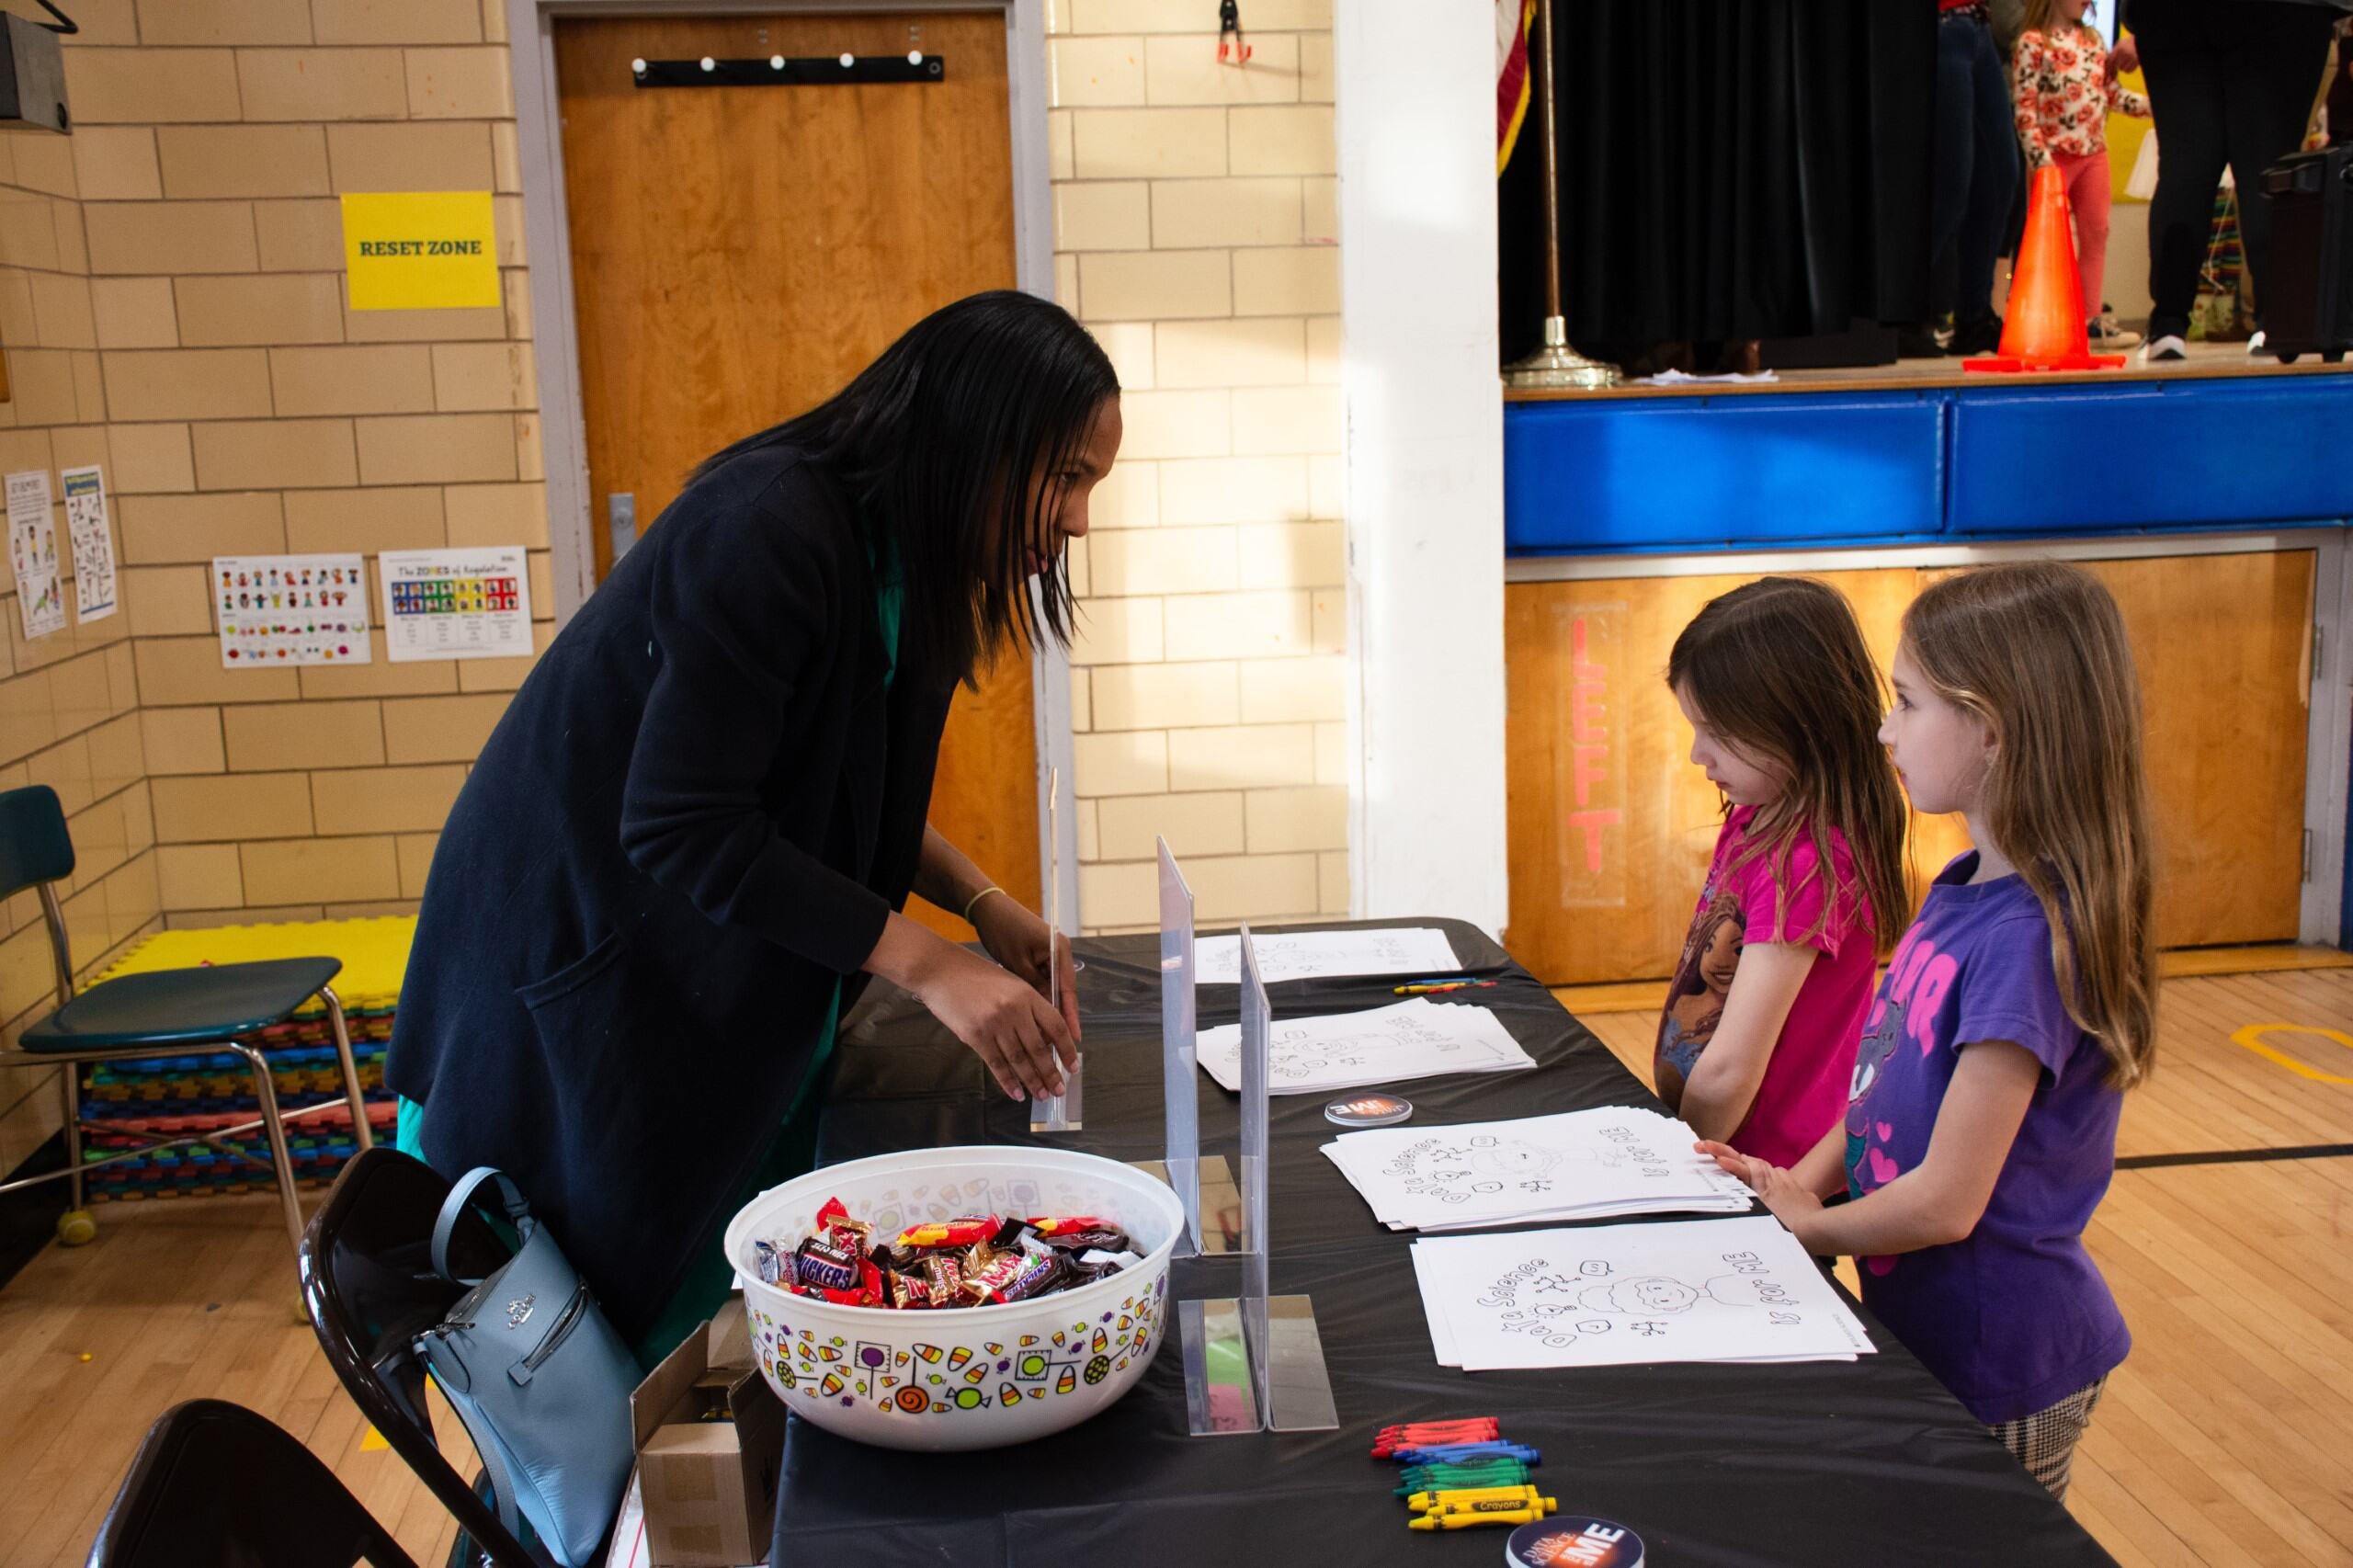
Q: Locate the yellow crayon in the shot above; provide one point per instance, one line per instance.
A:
(1471, 1519)
(1443, 1501)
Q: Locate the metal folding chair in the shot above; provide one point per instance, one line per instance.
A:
(169, 1012)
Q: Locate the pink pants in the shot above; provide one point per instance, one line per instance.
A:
(2088, 190)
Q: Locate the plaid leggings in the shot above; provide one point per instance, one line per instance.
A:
(2045, 1441)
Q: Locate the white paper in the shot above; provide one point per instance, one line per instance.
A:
(280, 610)
(93, 543)
(1594, 1163)
(32, 554)
(1415, 1038)
(1416, 950)
(1739, 1291)
(456, 604)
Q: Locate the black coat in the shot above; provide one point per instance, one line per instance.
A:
(691, 823)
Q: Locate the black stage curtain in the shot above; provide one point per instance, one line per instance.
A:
(1729, 169)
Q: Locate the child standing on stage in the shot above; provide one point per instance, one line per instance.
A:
(1757, 1036)
(2019, 1008)
(2060, 85)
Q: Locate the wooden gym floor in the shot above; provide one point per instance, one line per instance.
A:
(2227, 1437)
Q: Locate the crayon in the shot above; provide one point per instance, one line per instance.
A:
(1472, 1521)
(1464, 1453)
(1447, 1501)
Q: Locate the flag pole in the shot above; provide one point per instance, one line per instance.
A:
(1555, 365)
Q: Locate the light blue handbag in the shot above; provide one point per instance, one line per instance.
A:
(540, 1380)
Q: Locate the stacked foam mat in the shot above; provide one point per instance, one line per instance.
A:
(127, 1104)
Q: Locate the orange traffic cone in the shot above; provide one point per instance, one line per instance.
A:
(2045, 329)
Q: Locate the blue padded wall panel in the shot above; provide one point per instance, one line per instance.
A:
(1621, 474)
(2152, 454)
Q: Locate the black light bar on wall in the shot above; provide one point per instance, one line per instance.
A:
(798, 70)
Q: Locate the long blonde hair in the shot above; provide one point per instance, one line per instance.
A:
(1777, 667)
(2036, 650)
(2043, 17)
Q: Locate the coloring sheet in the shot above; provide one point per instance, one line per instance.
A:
(290, 609)
(1739, 1291)
(32, 554)
(1578, 1164)
(1414, 1039)
(85, 523)
(1418, 951)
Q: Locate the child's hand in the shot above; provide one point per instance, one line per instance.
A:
(1791, 1203)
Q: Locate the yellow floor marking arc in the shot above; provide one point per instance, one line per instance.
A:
(2251, 1037)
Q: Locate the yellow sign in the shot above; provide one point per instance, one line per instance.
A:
(420, 250)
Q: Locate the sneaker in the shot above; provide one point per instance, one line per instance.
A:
(2255, 344)
(2163, 350)
(1980, 336)
(2106, 336)
(1921, 342)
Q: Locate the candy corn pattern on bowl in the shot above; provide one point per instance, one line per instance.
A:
(963, 1377)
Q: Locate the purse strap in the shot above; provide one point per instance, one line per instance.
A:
(519, 1214)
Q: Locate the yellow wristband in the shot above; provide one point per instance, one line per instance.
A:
(975, 901)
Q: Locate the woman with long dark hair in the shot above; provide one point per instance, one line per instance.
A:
(689, 838)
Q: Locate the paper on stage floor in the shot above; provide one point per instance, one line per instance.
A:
(1610, 1160)
(1414, 1039)
(1418, 951)
(1732, 1291)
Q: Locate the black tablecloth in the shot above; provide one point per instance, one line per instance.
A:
(1870, 1464)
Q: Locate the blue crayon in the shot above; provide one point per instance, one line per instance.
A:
(1466, 1453)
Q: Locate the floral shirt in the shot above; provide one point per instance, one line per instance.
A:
(2059, 84)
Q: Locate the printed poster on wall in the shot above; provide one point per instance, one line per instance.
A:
(290, 609)
(456, 604)
(32, 554)
(86, 525)
(420, 250)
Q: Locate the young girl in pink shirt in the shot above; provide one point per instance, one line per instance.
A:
(2063, 92)
(1756, 1040)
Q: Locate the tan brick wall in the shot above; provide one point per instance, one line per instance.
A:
(256, 413)
(1195, 234)
(68, 702)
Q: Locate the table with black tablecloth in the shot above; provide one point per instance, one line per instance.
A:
(1870, 1462)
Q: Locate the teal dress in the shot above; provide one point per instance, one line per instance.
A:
(793, 1152)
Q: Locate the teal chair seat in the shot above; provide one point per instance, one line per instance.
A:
(182, 1006)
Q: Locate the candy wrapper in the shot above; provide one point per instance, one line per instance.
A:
(968, 1261)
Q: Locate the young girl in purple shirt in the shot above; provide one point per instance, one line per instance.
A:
(1980, 1133)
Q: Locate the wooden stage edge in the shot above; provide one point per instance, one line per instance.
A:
(2206, 361)
(1642, 996)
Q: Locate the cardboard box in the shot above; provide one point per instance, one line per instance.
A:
(710, 1441)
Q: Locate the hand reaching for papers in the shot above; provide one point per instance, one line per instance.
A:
(1775, 1187)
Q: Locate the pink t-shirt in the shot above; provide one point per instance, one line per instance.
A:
(1805, 1088)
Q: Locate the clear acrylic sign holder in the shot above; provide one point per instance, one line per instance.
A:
(1264, 1351)
(1056, 1113)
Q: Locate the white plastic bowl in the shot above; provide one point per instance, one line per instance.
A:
(967, 1377)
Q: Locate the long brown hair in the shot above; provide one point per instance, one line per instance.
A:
(2036, 650)
(1777, 667)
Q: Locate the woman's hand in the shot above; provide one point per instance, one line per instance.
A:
(1792, 1204)
(1004, 1020)
(1020, 941)
(2125, 56)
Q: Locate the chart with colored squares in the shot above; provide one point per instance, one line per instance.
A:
(472, 604)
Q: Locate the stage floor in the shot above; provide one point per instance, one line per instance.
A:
(2206, 360)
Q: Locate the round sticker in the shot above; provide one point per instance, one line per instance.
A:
(1566, 1540)
(1368, 1110)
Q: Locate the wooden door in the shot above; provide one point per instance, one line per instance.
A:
(1610, 827)
(740, 253)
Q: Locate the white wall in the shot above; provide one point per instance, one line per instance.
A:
(1415, 87)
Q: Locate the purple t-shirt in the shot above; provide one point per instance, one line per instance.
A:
(2015, 1317)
